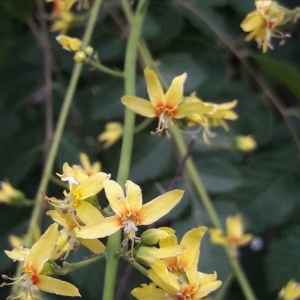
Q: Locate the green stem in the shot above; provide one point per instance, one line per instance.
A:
(58, 134)
(113, 243)
(140, 127)
(138, 267)
(97, 65)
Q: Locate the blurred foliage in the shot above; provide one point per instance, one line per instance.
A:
(263, 185)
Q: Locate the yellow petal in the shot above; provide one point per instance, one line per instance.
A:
(174, 94)
(94, 245)
(245, 239)
(18, 254)
(163, 278)
(56, 286)
(115, 197)
(192, 241)
(234, 226)
(217, 237)
(188, 108)
(56, 216)
(252, 21)
(92, 185)
(160, 206)
(88, 213)
(106, 227)
(168, 241)
(42, 250)
(207, 288)
(139, 106)
(148, 292)
(154, 88)
(134, 196)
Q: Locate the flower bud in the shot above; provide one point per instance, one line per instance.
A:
(152, 236)
(245, 143)
(89, 51)
(80, 57)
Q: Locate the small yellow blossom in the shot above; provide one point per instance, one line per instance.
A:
(10, 195)
(129, 210)
(87, 166)
(32, 277)
(263, 23)
(166, 107)
(177, 277)
(83, 189)
(291, 291)
(245, 143)
(113, 132)
(234, 235)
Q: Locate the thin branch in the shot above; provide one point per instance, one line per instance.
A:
(182, 162)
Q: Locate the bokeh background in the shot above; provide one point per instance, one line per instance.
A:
(204, 39)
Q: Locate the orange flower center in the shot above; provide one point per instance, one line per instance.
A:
(32, 273)
(234, 239)
(165, 109)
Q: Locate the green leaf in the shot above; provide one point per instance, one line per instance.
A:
(176, 64)
(107, 104)
(156, 27)
(151, 156)
(283, 71)
(269, 192)
(217, 175)
(281, 263)
(17, 9)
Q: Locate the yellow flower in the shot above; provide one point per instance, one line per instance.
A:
(220, 113)
(245, 143)
(87, 166)
(210, 114)
(32, 277)
(165, 107)
(263, 22)
(291, 291)
(191, 242)
(177, 276)
(10, 195)
(83, 189)
(235, 233)
(129, 210)
(113, 132)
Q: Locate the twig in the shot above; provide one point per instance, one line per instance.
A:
(182, 162)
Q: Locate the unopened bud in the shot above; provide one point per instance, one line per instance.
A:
(80, 57)
(152, 236)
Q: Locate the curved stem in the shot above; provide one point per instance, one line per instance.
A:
(113, 243)
(97, 65)
(58, 133)
(140, 127)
